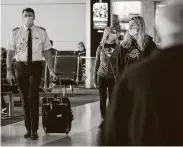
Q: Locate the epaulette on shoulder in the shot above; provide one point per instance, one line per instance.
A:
(15, 29)
(42, 28)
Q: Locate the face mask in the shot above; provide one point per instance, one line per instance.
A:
(112, 37)
(28, 21)
(133, 32)
(81, 48)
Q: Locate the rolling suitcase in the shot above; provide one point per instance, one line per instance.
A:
(56, 114)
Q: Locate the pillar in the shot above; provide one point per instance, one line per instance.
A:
(93, 38)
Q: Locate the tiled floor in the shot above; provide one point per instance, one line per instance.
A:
(84, 130)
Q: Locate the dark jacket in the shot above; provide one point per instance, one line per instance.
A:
(81, 53)
(3, 67)
(102, 66)
(126, 56)
(4, 83)
(147, 104)
(5, 86)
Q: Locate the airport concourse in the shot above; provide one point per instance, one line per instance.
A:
(91, 72)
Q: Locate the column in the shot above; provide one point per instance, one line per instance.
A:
(93, 38)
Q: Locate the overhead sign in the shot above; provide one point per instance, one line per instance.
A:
(100, 15)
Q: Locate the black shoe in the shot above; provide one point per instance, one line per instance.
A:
(34, 136)
(28, 134)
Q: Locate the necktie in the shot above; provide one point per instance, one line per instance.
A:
(29, 52)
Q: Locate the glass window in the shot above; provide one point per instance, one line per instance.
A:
(122, 12)
(158, 6)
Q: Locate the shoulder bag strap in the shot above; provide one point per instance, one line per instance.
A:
(110, 64)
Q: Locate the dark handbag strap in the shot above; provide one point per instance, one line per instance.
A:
(110, 64)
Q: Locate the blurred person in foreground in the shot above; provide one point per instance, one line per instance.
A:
(146, 107)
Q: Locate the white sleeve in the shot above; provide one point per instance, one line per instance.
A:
(47, 44)
(11, 42)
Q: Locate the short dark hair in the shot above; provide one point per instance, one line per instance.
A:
(28, 10)
(81, 43)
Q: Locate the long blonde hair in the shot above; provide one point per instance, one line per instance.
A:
(106, 34)
(142, 37)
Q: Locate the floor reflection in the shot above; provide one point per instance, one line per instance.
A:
(84, 130)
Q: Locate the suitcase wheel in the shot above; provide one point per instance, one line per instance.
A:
(68, 128)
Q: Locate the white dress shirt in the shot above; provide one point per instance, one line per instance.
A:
(18, 42)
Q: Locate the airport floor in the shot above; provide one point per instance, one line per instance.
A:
(84, 131)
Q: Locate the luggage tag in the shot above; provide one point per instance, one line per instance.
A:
(60, 115)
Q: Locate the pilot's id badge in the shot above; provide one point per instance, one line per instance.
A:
(22, 46)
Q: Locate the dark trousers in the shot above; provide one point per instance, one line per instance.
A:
(28, 78)
(80, 69)
(3, 103)
(104, 85)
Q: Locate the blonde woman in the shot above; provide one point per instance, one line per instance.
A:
(106, 67)
(136, 45)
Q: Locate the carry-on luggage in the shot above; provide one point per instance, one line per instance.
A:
(56, 114)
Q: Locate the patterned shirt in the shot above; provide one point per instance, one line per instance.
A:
(18, 42)
(133, 54)
(102, 66)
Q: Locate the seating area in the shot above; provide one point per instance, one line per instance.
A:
(68, 67)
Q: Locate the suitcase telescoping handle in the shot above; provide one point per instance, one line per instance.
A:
(46, 93)
(60, 84)
(60, 90)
